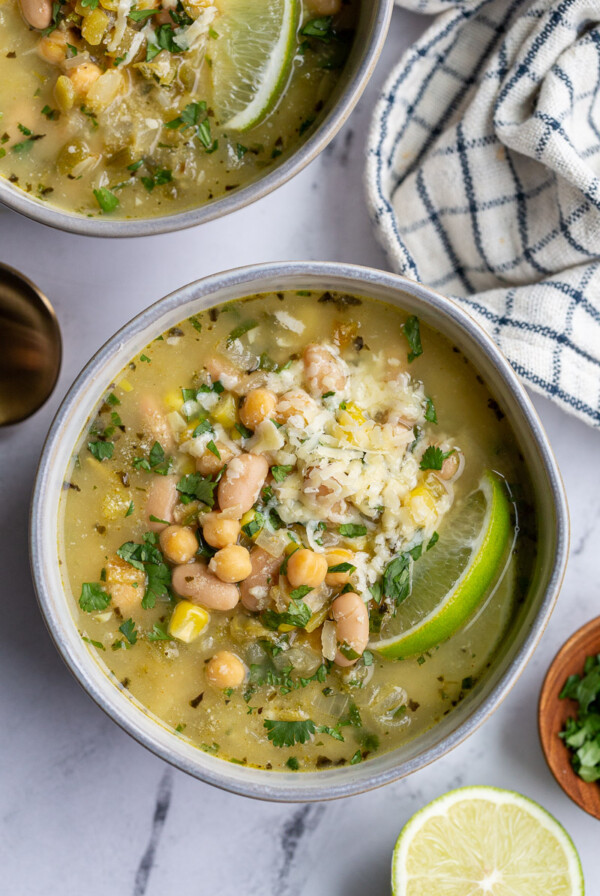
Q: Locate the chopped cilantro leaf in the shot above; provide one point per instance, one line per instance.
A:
(412, 331)
(101, 450)
(352, 530)
(433, 458)
(106, 199)
(93, 597)
(281, 471)
(129, 630)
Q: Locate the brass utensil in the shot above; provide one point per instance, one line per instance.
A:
(30, 347)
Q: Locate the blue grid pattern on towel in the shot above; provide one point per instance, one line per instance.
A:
(483, 179)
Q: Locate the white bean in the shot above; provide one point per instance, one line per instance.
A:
(240, 486)
(37, 13)
(352, 625)
(198, 584)
(161, 501)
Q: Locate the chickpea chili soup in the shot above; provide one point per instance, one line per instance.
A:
(139, 108)
(297, 529)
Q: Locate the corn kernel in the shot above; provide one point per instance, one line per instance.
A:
(225, 411)
(421, 504)
(125, 385)
(94, 26)
(188, 621)
(173, 399)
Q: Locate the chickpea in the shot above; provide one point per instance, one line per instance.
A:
(84, 76)
(178, 543)
(258, 405)
(306, 567)
(335, 558)
(231, 564)
(352, 625)
(53, 47)
(199, 585)
(240, 486)
(324, 7)
(209, 464)
(296, 403)
(218, 531)
(161, 501)
(322, 370)
(255, 587)
(37, 13)
(225, 670)
(450, 466)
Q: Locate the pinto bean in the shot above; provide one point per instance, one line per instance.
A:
(255, 588)
(240, 486)
(155, 424)
(199, 585)
(37, 13)
(352, 625)
(161, 501)
(322, 370)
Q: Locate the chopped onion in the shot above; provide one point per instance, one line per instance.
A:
(274, 543)
(329, 640)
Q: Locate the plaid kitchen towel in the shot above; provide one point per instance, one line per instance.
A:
(483, 179)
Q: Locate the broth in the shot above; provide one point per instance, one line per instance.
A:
(306, 701)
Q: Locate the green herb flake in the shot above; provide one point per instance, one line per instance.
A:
(433, 458)
(412, 331)
(97, 644)
(241, 330)
(159, 632)
(107, 200)
(101, 450)
(281, 471)
(130, 509)
(93, 597)
(352, 530)
(129, 630)
(288, 734)
(293, 764)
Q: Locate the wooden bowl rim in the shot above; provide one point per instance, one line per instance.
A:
(567, 662)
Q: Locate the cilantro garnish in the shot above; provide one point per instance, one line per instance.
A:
(287, 734)
(93, 597)
(412, 331)
(129, 630)
(159, 632)
(433, 458)
(342, 567)
(157, 462)
(106, 199)
(582, 733)
(281, 471)
(241, 330)
(430, 414)
(197, 487)
(297, 614)
(101, 450)
(319, 28)
(352, 530)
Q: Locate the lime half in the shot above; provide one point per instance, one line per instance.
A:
(482, 841)
(451, 579)
(252, 55)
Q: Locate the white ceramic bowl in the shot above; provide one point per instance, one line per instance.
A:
(370, 35)
(528, 624)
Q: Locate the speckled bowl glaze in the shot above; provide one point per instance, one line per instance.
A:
(370, 35)
(516, 648)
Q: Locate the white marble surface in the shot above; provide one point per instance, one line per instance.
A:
(83, 807)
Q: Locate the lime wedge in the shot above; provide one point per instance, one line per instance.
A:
(252, 57)
(482, 841)
(451, 579)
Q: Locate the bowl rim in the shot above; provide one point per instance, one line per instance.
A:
(17, 200)
(282, 786)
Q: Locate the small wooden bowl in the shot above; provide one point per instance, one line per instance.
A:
(553, 713)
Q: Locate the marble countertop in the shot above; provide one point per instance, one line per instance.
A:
(83, 807)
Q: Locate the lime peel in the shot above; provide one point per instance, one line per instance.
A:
(463, 598)
(505, 843)
(268, 71)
